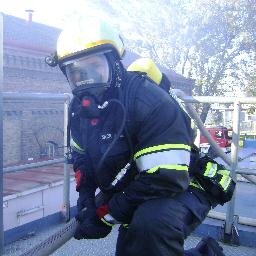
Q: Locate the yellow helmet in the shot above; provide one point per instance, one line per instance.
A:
(89, 54)
(88, 35)
(149, 67)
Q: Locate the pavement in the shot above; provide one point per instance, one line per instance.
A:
(102, 247)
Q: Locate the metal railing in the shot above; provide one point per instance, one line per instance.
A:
(65, 99)
(33, 165)
(1, 137)
(232, 162)
(62, 98)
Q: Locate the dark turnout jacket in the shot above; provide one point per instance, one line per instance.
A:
(156, 142)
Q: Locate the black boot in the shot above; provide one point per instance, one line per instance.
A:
(209, 247)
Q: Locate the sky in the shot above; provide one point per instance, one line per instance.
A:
(50, 12)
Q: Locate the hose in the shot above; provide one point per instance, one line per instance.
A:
(53, 242)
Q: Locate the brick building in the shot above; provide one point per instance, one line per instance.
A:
(34, 130)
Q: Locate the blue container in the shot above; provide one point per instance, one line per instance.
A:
(250, 143)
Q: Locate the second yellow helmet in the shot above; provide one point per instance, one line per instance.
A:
(147, 66)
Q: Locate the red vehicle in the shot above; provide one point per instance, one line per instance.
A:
(222, 135)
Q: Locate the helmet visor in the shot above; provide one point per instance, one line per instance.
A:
(87, 71)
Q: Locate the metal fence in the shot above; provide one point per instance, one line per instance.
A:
(65, 99)
(230, 217)
(232, 162)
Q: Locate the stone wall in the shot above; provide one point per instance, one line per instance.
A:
(30, 127)
(12, 137)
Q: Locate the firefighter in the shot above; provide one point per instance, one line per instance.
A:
(199, 211)
(129, 139)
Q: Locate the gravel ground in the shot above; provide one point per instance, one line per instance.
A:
(103, 247)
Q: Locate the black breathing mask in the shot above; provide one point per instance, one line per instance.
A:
(88, 75)
(94, 79)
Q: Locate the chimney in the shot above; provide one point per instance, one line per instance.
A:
(30, 15)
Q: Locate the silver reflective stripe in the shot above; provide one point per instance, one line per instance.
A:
(170, 157)
(121, 174)
(110, 219)
(76, 147)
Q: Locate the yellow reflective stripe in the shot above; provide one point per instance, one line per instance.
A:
(223, 172)
(126, 225)
(197, 185)
(168, 166)
(225, 180)
(161, 147)
(211, 169)
(75, 145)
(107, 223)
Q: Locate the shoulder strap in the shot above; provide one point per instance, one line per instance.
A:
(132, 83)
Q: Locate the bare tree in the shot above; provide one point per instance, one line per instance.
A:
(207, 40)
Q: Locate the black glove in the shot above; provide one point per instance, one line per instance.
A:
(90, 226)
(215, 179)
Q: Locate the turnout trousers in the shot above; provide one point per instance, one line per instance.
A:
(158, 228)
